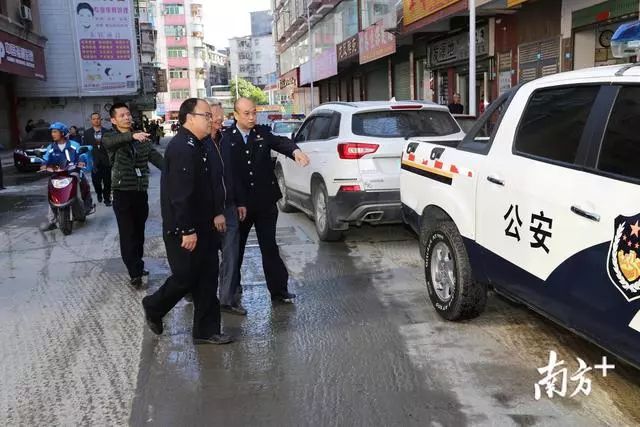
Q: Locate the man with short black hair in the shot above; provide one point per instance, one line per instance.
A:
(130, 154)
(101, 173)
(456, 107)
(192, 209)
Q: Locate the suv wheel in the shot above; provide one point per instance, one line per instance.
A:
(283, 203)
(321, 209)
(448, 275)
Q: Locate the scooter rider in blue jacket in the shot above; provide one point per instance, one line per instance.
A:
(60, 153)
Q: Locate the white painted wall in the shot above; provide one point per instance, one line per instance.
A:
(584, 49)
(70, 111)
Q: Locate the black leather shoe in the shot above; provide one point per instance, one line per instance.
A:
(107, 202)
(153, 323)
(234, 309)
(136, 283)
(99, 199)
(188, 297)
(215, 339)
(145, 272)
(286, 298)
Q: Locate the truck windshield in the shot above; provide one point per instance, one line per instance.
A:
(400, 124)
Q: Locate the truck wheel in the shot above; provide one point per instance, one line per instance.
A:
(321, 210)
(64, 220)
(283, 203)
(448, 274)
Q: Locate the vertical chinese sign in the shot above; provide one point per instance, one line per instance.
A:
(106, 46)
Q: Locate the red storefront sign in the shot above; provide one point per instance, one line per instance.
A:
(375, 43)
(20, 57)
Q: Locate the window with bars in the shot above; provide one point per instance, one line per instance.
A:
(180, 94)
(176, 53)
(175, 30)
(174, 9)
(178, 73)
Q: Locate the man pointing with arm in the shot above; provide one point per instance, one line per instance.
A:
(257, 191)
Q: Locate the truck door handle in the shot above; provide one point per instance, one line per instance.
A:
(494, 180)
(589, 215)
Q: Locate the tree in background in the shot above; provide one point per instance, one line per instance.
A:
(248, 90)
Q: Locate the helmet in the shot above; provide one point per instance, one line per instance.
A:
(59, 126)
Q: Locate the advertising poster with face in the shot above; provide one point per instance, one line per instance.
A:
(106, 46)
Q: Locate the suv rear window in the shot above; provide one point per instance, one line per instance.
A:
(621, 146)
(400, 124)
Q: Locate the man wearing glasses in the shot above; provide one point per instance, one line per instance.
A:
(257, 191)
(192, 211)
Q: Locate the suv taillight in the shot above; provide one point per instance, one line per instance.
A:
(355, 150)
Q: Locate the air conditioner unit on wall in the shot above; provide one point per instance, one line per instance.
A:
(25, 13)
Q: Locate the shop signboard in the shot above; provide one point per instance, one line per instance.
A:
(375, 43)
(289, 79)
(350, 48)
(415, 10)
(325, 65)
(106, 47)
(20, 57)
(456, 48)
(512, 3)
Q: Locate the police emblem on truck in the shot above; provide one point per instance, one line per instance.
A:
(623, 262)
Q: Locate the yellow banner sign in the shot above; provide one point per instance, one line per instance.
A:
(511, 3)
(415, 10)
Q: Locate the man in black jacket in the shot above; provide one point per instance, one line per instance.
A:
(192, 211)
(101, 173)
(257, 190)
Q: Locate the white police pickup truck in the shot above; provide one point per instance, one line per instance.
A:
(541, 201)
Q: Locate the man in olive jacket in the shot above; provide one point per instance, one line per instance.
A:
(130, 154)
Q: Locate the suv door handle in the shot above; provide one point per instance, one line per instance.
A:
(589, 215)
(492, 179)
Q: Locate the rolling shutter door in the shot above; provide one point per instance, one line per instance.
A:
(401, 81)
(538, 59)
(377, 85)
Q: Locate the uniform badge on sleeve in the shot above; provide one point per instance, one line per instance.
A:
(623, 263)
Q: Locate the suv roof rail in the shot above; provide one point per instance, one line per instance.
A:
(346, 104)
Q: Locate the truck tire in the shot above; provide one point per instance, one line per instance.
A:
(448, 275)
(283, 203)
(64, 220)
(321, 210)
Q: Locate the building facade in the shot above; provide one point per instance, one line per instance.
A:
(383, 49)
(22, 57)
(216, 64)
(253, 57)
(181, 49)
(93, 54)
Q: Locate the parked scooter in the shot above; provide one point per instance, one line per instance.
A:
(65, 200)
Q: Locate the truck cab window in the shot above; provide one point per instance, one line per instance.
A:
(553, 122)
(621, 147)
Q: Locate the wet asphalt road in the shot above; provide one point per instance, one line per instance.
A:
(361, 346)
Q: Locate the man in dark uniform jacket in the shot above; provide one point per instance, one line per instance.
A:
(257, 191)
(101, 173)
(192, 211)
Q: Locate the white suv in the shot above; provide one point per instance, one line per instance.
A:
(355, 150)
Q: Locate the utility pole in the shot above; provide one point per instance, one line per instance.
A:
(473, 103)
(311, 49)
(237, 92)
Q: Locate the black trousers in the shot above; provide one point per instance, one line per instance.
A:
(275, 271)
(132, 210)
(102, 183)
(195, 272)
